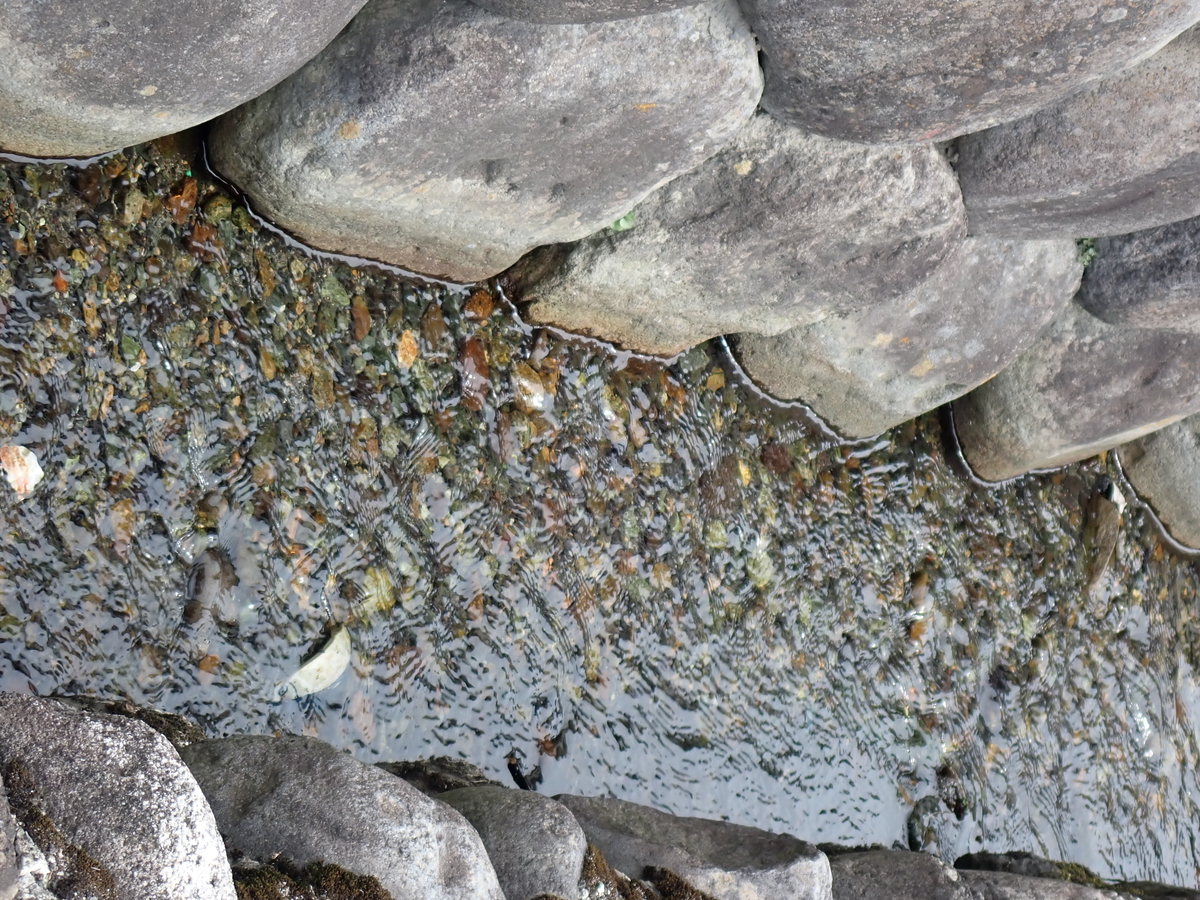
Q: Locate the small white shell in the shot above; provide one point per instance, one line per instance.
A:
(22, 469)
(322, 670)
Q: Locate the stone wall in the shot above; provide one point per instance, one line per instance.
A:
(659, 172)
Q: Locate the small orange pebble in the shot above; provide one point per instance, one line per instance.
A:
(60, 283)
(209, 664)
(479, 305)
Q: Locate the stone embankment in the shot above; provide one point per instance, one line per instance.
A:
(108, 801)
(659, 172)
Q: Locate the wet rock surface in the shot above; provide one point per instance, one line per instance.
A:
(450, 141)
(9, 864)
(779, 229)
(439, 774)
(110, 803)
(727, 861)
(309, 802)
(1084, 386)
(534, 843)
(1164, 467)
(879, 874)
(886, 71)
(1010, 886)
(1147, 279)
(1122, 154)
(1028, 864)
(75, 84)
(865, 372)
(579, 11)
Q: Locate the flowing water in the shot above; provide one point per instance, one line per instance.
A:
(642, 575)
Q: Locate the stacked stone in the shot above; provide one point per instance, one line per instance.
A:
(612, 160)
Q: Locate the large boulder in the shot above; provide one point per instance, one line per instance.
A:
(1121, 155)
(1148, 279)
(1082, 387)
(534, 843)
(1164, 468)
(878, 874)
(77, 81)
(1010, 886)
(921, 70)
(560, 12)
(866, 371)
(726, 861)
(443, 138)
(309, 802)
(778, 230)
(114, 792)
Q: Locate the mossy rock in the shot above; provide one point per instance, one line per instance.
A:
(282, 880)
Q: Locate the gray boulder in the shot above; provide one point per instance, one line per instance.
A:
(309, 802)
(9, 866)
(77, 81)
(729, 862)
(778, 230)
(1164, 468)
(1148, 279)
(1121, 155)
(1010, 886)
(443, 138)
(895, 875)
(866, 371)
(561, 12)
(534, 843)
(922, 70)
(1083, 386)
(113, 791)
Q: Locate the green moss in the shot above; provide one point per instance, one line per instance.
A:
(1077, 874)
(671, 886)
(1087, 249)
(597, 872)
(282, 880)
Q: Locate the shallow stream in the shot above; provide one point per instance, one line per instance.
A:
(643, 576)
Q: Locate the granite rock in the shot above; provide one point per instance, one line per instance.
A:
(77, 81)
(879, 874)
(111, 791)
(727, 861)
(9, 866)
(1010, 886)
(443, 138)
(561, 12)
(309, 802)
(534, 843)
(778, 230)
(1148, 279)
(1121, 155)
(886, 71)
(1164, 468)
(864, 372)
(1082, 387)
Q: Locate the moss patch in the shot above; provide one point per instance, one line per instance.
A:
(671, 886)
(282, 880)
(597, 874)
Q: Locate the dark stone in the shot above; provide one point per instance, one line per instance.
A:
(175, 728)
(1083, 386)
(1148, 279)
(866, 371)
(8, 848)
(440, 137)
(895, 875)
(778, 230)
(562, 12)
(908, 71)
(1022, 863)
(439, 774)
(1164, 468)
(1121, 155)
(309, 802)
(730, 862)
(77, 81)
(534, 843)
(109, 799)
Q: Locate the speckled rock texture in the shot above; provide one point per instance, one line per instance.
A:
(1010, 886)
(867, 371)
(895, 875)
(77, 81)
(1083, 386)
(8, 849)
(534, 843)
(927, 70)
(1164, 468)
(726, 861)
(1148, 279)
(1121, 155)
(445, 139)
(561, 12)
(778, 230)
(309, 802)
(116, 790)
